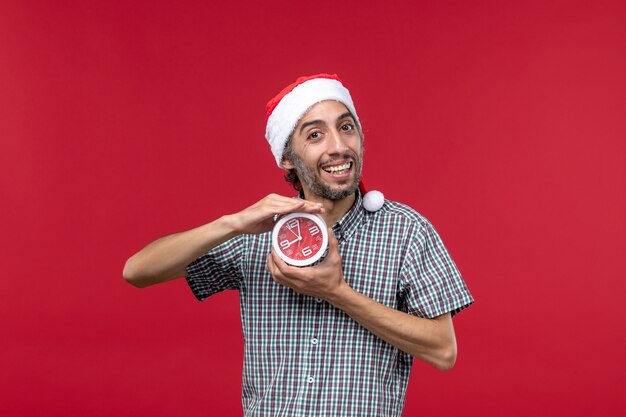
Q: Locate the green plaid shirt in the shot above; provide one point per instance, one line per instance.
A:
(303, 356)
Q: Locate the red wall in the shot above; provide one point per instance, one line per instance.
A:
(503, 123)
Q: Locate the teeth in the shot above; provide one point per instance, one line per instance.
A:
(338, 168)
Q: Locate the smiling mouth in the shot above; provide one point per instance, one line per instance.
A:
(338, 169)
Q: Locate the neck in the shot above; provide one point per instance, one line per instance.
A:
(334, 210)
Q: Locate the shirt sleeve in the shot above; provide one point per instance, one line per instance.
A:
(430, 280)
(218, 270)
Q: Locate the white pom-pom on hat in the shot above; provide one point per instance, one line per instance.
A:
(372, 200)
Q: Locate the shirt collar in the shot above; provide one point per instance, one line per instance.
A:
(351, 221)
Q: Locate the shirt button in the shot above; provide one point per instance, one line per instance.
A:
(314, 341)
(310, 380)
(318, 300)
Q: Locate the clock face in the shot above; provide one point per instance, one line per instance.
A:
(300, 239)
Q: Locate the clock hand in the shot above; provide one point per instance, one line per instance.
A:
(286, 244)
(289, 243)
(291, 228)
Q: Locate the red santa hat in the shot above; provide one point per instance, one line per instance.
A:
(284, 111)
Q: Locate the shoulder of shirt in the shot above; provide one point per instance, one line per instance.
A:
(402, 211)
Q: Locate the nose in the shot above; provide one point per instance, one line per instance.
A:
(336, 143)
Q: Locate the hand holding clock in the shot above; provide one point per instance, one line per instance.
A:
(259, 218)
(321, 281)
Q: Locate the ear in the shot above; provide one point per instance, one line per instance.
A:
(287, 164)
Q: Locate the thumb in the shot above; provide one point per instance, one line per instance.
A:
(333, 243)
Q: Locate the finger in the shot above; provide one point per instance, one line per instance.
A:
(333, 248)
(269, 265)
(289, 203)
(277, 206)
(333, 243)
(273, 263)
(273, 270)
(303, 206)
(278, 265)
(313, 206)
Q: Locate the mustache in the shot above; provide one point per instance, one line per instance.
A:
(345, 156)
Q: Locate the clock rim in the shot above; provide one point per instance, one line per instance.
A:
(304, 262)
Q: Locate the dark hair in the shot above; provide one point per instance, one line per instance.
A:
(291, 176)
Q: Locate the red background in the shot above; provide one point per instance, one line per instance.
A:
(503, 123)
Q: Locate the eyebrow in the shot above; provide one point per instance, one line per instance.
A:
(321, 122)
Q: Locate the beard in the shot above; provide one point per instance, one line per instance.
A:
(308, 176)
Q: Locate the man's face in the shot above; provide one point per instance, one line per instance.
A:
(327, 151)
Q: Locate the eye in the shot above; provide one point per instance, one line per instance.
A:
(347, 127)
(314, 135)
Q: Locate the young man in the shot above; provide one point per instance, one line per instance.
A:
(337, 338)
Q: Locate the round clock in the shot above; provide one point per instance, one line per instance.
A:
(300, 239)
